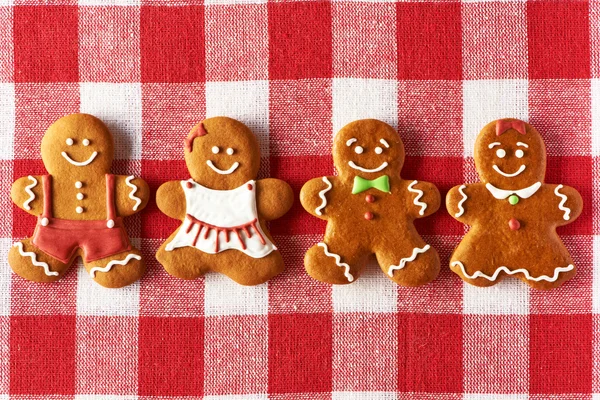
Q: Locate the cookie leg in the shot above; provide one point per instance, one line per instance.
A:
(184, 262)
(408, 263)
(336, 263)
(246, 270)
(29, 262)
(119, 270)
(471, 264)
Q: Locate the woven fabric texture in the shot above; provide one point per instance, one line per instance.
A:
(295, 72)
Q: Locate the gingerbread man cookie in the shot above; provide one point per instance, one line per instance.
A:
(223, 208)
(80, 207)
(513, 214)
(370, 209)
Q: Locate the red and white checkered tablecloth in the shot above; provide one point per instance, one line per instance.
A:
(295, 72)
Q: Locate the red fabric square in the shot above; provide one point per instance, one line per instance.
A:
(560, 353)
(429, 40)
(299, 353)
(42, 354)
(430, 353)
(444, 172)
(172, 44)
(110, 44)
(559, 39)
(297, 221)
(155, 224)
(364, 40)
(107, 355)
(46, 43)
(45, 299)
(6, 46)
(300, 113)
(300, 40)
(237, 42)
(171, 356)
(237, 360)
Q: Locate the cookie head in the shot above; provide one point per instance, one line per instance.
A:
(222, 153)
(77, 143)
(368, 148)
(510, 154)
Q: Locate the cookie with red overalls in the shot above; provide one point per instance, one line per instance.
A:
(370, 209)
(80, 207)
(223, 207)
(513, 214)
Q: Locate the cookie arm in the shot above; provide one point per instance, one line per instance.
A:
(274, 198)
(567, 204)
(315, 196)
(457, 202)
(131, 194)
(170, 199)
(28, 195)
(423, 198)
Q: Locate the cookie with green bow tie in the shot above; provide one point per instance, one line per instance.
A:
(370, 210)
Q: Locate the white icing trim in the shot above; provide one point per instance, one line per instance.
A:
(350, 141)
(45, 221)
(385, 143)
(322, 196)
(561, 206)
(491, 145)
(416, 201)
(523, 144)
(113, 262)
(134, 189)
(221, 171)
(502, 194)
(479, 274)
(77, 163)
(338, 261)
(461, 210)
(498, 170)
(416, 251)
(28, 188)
(34, 260)
(358, 167)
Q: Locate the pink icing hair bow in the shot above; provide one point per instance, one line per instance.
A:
(502, 125)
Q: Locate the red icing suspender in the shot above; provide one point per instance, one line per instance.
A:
(47, 189)
(218, 230)
(110, 197)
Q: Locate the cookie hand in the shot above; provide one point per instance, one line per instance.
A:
(566, 205)
(27, 194)
(423, 198)
(457, 202)
(131, 194)
(315, 196)
(274, 198)
(170, 199)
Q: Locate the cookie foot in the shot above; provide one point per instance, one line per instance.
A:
(31, 263)
(326, 265)
(119, 270)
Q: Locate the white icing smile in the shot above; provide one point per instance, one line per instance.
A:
(77, 163)
(498, 170)
(223, 171)
(358, 167)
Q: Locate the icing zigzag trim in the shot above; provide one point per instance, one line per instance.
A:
(561, 206)
(322, 196)
(479, 274)
(338, 261)
(419, 195)
(402, 263)
(134, 189)
(34, 260)
(28, 188)
(461, 210)
(114, 262)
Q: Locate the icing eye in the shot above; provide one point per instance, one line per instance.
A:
(70, 142)
(501, 153)
(230, 151)
(358, 150)
(519, 153)
(215, 150)
(378, 150)
(86, 142)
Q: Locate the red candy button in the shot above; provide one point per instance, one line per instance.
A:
(368, 216)
(189, 185)
(249, 186)
(370, 198)
(513, 224)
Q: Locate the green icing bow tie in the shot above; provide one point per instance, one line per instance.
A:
(361, 184)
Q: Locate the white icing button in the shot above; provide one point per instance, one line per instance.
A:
(79, 196)
(70, 142)
(230, 151)
(79, 210)
(86, 142)
(78, 185)
(110, 223)
(45, 221)
(215, 149)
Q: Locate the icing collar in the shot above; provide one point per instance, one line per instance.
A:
(525, 193)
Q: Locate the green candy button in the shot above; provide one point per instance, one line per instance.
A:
(513, 199)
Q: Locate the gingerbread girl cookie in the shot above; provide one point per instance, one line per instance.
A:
(370, 209)
(513, 214)
(223, 208)
(80, 207)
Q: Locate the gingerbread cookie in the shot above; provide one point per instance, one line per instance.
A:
(370, 209)
(80, 207)
(223, 208)
(513, 214)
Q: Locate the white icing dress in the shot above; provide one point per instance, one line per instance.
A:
(219, 220)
